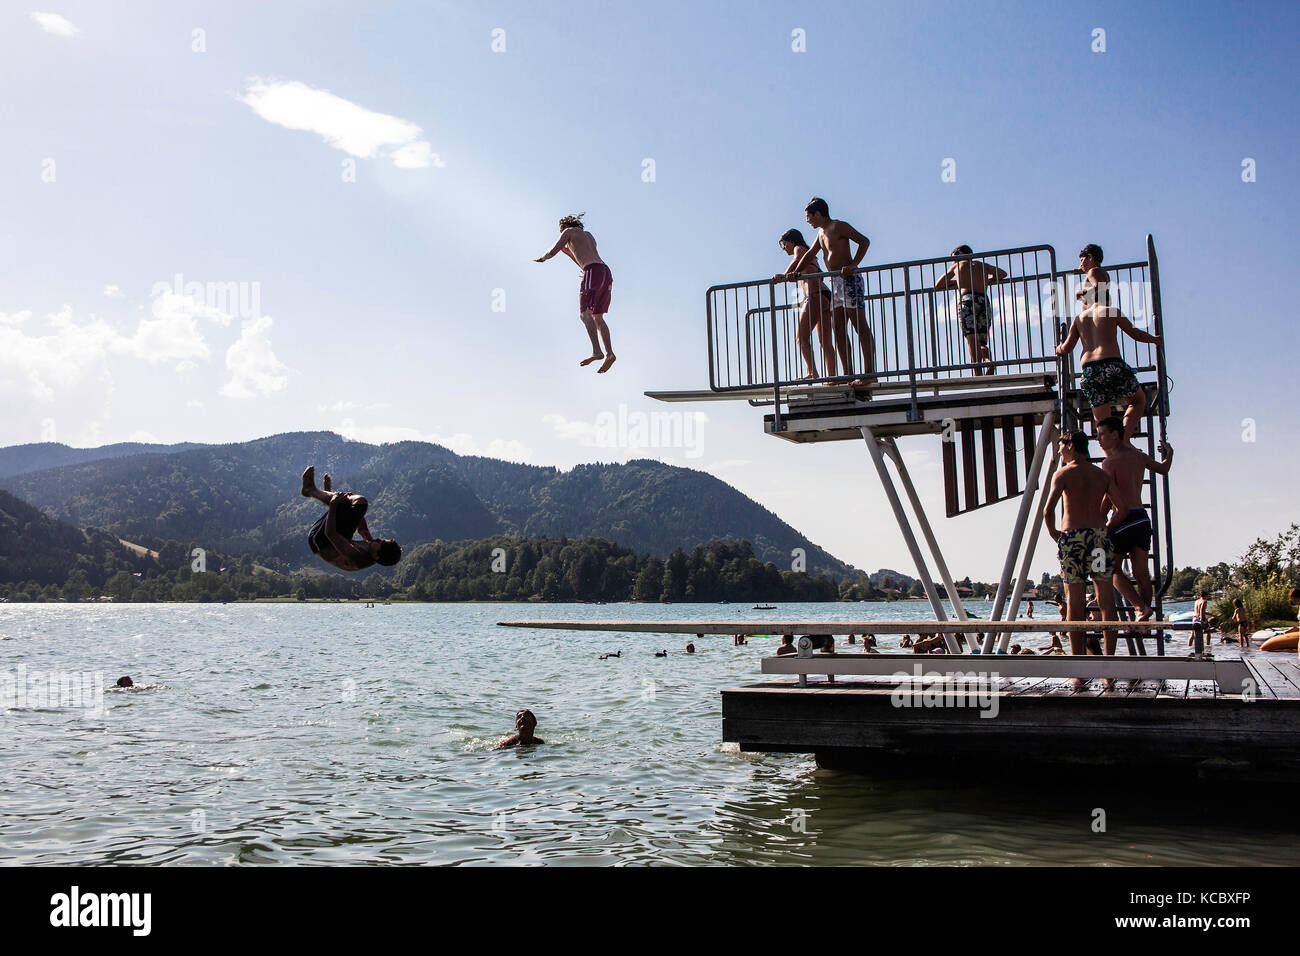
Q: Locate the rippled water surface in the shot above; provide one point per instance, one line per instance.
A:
(337, 733)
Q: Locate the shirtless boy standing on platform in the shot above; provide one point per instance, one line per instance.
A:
(814, 304)
(1132, 537)
(1082, 544)
(971, 277)
(331, 536)
(848, 295)
(1107, 379)
(594, 292)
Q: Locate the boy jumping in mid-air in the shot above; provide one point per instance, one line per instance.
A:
(331, 536)
(971, 277)
(1107, 380)
(848, 295)
(594, 292)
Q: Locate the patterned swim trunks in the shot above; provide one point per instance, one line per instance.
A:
(848, 293)
(1085, 553)
(973, 310)
(1107, 381)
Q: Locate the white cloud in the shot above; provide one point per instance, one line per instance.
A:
(146, 438)
(169, 305)
(15, 318)
(112, 292)
(461, 443)
(341, 123)
(254, 369)
(340, 407)
(584, 433)
(56, 24)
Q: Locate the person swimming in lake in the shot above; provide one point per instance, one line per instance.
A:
(331, 536)
(595, 290)
(525, 724)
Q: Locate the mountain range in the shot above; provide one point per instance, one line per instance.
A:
(243, 498)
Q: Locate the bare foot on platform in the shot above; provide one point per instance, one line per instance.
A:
(595, 358)
(609, 360)
(309, 481)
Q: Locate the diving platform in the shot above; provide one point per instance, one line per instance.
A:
(907, 370)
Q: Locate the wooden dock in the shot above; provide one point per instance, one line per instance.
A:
(1151, 725)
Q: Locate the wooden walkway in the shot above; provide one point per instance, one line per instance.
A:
(1149, 725)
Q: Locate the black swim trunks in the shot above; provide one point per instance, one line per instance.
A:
(1133, 532)
(350, 513)
(1107, 381)
(973, 311)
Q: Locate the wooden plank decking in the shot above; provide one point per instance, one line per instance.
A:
(1149, 725)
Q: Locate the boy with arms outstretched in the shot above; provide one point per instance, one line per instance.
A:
(594, 292)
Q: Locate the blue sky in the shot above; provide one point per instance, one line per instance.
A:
(132, 158)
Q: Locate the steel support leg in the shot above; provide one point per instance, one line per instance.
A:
(891, 448)
(878, 458)
(1023, 577)
(1026, 501)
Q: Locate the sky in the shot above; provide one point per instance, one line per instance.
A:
(220, 221)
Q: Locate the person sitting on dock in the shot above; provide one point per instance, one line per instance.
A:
(787, 645)
(848, 292)
(971, 277)
(525, 724)
(1107, 379)
(814, 304)
(331, 536)
(1082, 544)
(1132, 538)
(927, 643)
(597, 285)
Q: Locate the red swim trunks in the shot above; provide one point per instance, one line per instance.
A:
(593, 294)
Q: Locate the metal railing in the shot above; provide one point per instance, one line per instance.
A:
(915, 331)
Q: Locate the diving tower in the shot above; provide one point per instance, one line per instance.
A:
(996, 430)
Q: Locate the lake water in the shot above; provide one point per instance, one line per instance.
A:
(336, 733)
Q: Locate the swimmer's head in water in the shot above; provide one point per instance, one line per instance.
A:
(524, 720)
(125, 682)
(386, 551)
(572, 222)
(690, 648)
